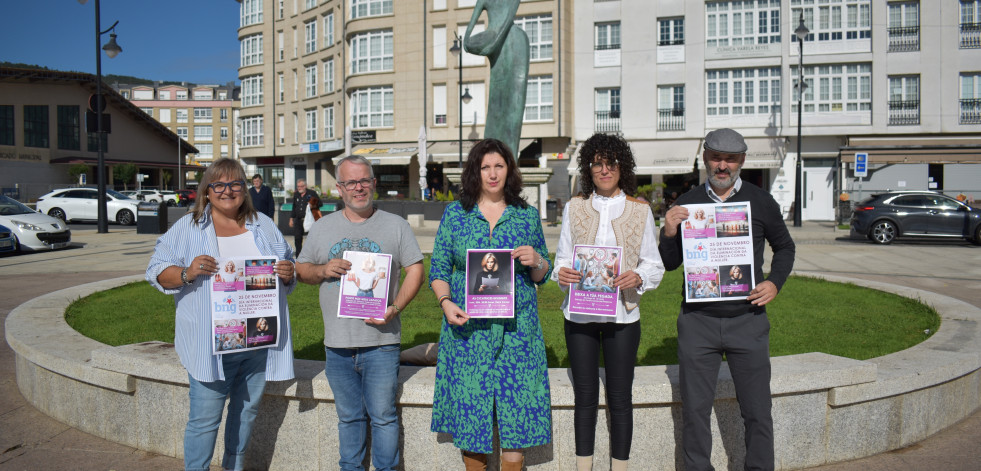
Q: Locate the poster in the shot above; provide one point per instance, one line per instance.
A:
(595, 294)
(717, 241)
(364, 291)
(490, 283)
(244, 305)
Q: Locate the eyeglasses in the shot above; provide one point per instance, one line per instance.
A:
(599, 164)
(350, 185)
(234, 186)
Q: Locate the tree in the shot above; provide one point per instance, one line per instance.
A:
(167, 177)
(77, 169)
(124, 173)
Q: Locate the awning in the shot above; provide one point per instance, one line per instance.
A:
(765, 152)
(449, 151)
(95, 161)
(915, 150)
(384, 154)
(661, 157)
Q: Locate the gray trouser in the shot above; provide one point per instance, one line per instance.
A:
(745, 341)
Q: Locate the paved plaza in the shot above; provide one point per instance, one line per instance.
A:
(31, 440)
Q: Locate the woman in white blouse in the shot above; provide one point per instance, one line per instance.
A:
(604, 214)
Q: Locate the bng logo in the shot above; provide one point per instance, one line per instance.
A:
(226, 305)
(700, 252)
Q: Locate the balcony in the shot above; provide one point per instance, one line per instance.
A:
(904, 113)
(607, 122)
(971, 111)
(904, 39)
(671, 119)
(970, 35)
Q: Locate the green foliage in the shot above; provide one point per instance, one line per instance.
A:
(77, 169)
(654, 195)
(124, 173)
(448, 196)
(167, 177)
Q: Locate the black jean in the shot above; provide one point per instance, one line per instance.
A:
(619, 343)
(297, 236)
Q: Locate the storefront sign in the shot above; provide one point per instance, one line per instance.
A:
(360, 137)
(736, 52)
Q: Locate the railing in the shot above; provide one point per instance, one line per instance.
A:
(904, 113)
(607, 47)
(607, 122)
(970, 35)
(671, 119)
(971, 111)
(671, 42)
(904, 39)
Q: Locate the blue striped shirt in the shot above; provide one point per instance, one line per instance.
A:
(192, 337)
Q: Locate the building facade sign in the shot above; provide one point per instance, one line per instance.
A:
(739, 52)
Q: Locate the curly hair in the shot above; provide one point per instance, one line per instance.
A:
(611, 148)
(470, 180)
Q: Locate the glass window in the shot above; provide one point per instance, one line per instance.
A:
(742, 22)
(539, 31)
(311, 128)
(372, 52)
(251, 50)
(202, 115)
(251, 91)
(69, 127)
(36, 126)
(329, 30)
(373, 107)
(329, 122)
(329, 75)
(182, 132)
(309, 36)
(538, 101)
(439, 105)
(607, 36)
(364, 8)
(830, 80)
(671, 31)
(836, 20)
(310, 81)
(251, 12)
(6, 125)
(252, 131)
(203, 133)
(734, 92)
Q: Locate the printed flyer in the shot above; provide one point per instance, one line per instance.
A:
(490, 283)
(717, 241)
(244, 305)
(595, 294)
(364, 291)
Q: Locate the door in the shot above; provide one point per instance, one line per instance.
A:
(818, 204)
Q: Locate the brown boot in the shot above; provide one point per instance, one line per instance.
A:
(513, 465)
(474, 461)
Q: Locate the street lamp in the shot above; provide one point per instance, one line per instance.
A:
(465, 97)
(112, 49)
(800, 32)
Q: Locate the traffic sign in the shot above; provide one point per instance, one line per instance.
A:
(861, 164)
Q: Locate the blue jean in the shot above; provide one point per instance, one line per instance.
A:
(365, 381)
(245, 381)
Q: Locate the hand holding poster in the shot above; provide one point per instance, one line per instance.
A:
(490, 283)
(364, 290)
(718, 245)
(595, 294)
(244, 305)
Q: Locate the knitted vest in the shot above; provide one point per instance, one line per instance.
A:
(628, 230)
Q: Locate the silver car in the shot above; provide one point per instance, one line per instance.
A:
(72, 204)
(33, 230)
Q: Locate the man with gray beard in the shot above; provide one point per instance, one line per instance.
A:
(738, 329)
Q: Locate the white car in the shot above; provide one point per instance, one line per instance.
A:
(171, 198)
(71, 204)
(150, 196)
(33, 230)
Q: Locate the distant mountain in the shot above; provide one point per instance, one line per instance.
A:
(106, 78)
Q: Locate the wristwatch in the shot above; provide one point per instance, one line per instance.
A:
(184, 276)
(541, 262)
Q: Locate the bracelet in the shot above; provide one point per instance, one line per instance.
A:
(184, 279)
(441, 299)
(398, 312)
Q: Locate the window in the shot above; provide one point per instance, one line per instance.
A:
(740, 22)
(439, 4)
(742, 92)
(308, 4)
(827, 21)
(282, 88)
(181, 94)
(309, 36)
(251, 12)
(439, 105)
(164, 94)
(904, 26)
(251, 50)
(69, 127)
(607, 110)
(310, 74)
(224, 151)
(671, 108)
(371, 52)
(182, 115)
(223, 114)
(296, 128)
(282, 129)
(294, 42)
(252, 91)
(329, 30)
(281, 8)
(164, 115)
(672, 32)
(205, 151)
(607, 36)
(904, 100)
(222, 95)
(92, 142)
(36, 126)
(474, 112)
(970, 98)
(970, 24)
(311, 121)
(465, 3)
(142, 94)
(223, 133)
(282, 45)
(147, 110)
(373, 107)
(202, 115)
(439, 47)
(208, 94)
(203, 133)
(182, 132)
(125, 94)
(252, 131)
(6, 125)
(329, 75)
(363, 8)
(840, 88)
(539, 31)
(329, 122)
(538, 101)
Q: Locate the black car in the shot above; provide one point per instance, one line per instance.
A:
(884, 217)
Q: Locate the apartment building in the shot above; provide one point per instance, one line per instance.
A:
(378, 78)
(896, 80)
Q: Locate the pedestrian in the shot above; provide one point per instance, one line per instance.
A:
(221, 224)
(301, 197)
(362, 356)
(606, 215)
(262, 197)
(491, 371)
(738, 329)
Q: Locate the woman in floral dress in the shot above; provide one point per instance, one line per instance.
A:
(491, 371)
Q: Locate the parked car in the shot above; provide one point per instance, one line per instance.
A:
(32, 230)
(71, 204)
(884, 217)
(171, 197)
(187, 196)
(8, 243)
(130, 193)
(151, 196)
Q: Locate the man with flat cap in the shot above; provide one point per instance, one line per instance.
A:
(738, 329)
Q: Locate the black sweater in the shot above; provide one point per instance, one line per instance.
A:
(768, 225)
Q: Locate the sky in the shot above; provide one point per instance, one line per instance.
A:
(194, 41)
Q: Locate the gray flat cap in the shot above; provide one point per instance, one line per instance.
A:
(726, 141)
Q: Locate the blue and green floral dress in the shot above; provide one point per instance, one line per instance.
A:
(489, 366)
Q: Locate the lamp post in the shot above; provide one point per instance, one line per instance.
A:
(464, 97)
(800, 32)
(112, 49)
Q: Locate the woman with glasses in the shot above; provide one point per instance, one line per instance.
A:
(491, 368)
(605, 214)
(222, 224)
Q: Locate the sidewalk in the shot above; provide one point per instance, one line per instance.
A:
(31, 440)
